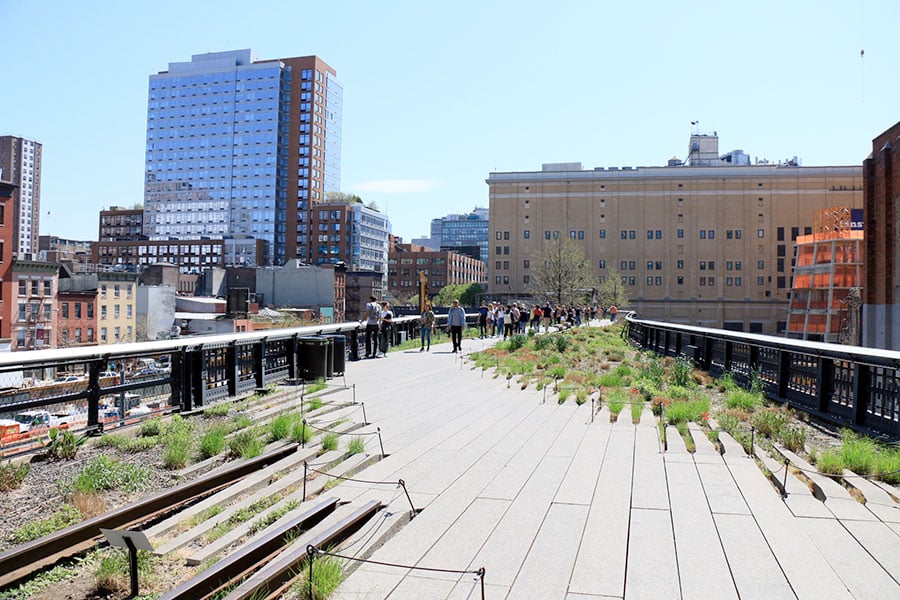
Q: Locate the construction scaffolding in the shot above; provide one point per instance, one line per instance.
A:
(828, 271)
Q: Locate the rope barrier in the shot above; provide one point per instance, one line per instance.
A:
(312, 551)
(399, 483)
(339, 432)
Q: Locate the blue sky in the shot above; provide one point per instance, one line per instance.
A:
(438, 95)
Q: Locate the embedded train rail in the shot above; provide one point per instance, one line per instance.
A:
(18, 563)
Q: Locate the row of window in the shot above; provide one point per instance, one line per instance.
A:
(657, 280)
(631, 234)
(652, 265)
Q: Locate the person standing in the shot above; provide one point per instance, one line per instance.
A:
(456, 319)
(372, 318)
(482, 319)
(426, 322)
(501, 320)
(613, 311)
(387, 328)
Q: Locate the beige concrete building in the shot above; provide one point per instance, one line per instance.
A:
(116, 317)
(708, 243)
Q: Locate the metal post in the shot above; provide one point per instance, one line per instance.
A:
(592, 408)
(354, 399)
(310, 555)
(133, 562)
(784, 484)
(413, 511)
(752, 438)
(305, 472)
(481, 572)
(365, 420)
(303, 437)
(380, 443)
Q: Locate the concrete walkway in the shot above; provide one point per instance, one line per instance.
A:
(553, 505)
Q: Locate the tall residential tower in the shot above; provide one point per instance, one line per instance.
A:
(239, 148)
(20, 162)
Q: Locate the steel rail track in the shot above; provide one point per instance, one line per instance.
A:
(21, 561)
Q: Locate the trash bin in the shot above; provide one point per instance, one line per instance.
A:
(312, 358)
(338, 352)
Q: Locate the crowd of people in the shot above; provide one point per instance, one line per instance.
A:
(495, 319)
(498, 319)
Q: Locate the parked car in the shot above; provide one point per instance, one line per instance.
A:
(66, 378)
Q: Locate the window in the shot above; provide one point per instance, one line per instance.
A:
(103, 312)
(526, 264)
(649, 234)
(498, 249)
(711, 234)
(781, 283)
(128, 310)
(505, 235)
(632, 265)
(547, 235)
(680, 264)
(499, 235)
(497, 280)
(760, 280)
(737, 265)
(117, 334)
(90, 333)
(703, 236)
(711, 280)
(572, 234)
(737, 234)
(90, 310)
(555, 235)
(649, 280)
(631, 280)
(497, 265)
(729, 281)
(526, 279)
(103, 334)
(657, 280)
(47, 287)
(78, 310)
(631, 234)
(603, 234)
(702, 265)
(580, 235)
(623, 265)
(659, 234)
(649, 265)
(737, 281)
(23, 287)
(729, 234)
(681, 233)
(103, 291)
(712, 265)
(602, 263)
(116, 290)
(505, 249)
(624, 234)
(527, 234)
(116, 312)
(64, 310)
(680, 280)
(78, 335)
(760, 233)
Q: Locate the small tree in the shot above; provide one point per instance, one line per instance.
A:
(561, 274)
(612, 291)
(466, 293)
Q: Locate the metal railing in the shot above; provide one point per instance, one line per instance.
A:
(851, 386)
(189, 372)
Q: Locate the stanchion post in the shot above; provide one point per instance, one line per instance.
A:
(310, 555)
(380, 443)
(593, 400)
(752, 437)
(481, 572)
(784, 484)
(354, 393)
(365, 420)
(412, 509)
(133, 563)
(305, 473)
(303, 437)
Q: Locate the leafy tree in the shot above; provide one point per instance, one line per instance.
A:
(466, 293)
(612, 291)
(373, 205)
(337, 197)
(561, 273)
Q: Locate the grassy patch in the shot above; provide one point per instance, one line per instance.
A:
(103, 473)
(127, 444)
(314, 404)
(636, 410)
(212, 442)
(217, 410)
(113, 571)
(742, 399)
(245, 444)
(329, 441)
(12, 475)
(280, 427)
(616, 400)
(178, 438)
(327, 576)
(682, 411)
(356, 446)
(64, 516)
(316, 386)
(151, 427)
(43, 581)
(300, 432)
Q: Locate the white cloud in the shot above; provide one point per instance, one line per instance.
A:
(395, 186)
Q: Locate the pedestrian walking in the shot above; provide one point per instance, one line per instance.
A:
(387, 328)
(482, 319)
(372, 319)
(456, 319)
(613, 311)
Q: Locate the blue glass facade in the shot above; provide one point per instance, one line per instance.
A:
(217, 160)
(470, 229)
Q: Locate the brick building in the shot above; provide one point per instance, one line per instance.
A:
(881, 293)
(441, 268)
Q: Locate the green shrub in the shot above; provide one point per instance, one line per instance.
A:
(245, 444)
(212, 442)
(610, 380)
(314, 404)
(64, 516)
(125, 443)
(63, 444)
(654, 372)
(581, 397)
(517, 341)
(679, 392)
(616, 400)
(113, 569)
(727, 383)
(300, 432)
(887, 465)
(280, 427)
(151, 427)
(561, 342)
(12, 475)
(329, 441)
(178, 437)
(636, 410)
(217, 410)
(356, 446)
(770, 421)
(793, 438)
(681, 372)
(858, 453)
(683, 411)
(556, 372)
(103, 473)
(830, 461)
(316, 386)
(743, 399)
(241, 421)
(564, 394)
(326, 577)
(543, 342)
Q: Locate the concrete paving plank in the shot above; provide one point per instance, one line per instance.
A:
(799, 499)
(600, 566)
(648, 488)
(882, 542)
(506, 548)
(556, 542)
(705, 447)
(567, 442)
(732, 448)
(809, 574)
(702, 567)
(652, 570)
(722, 492)
(862, 576)
(581, 478)
(755, 570)
(675, 443)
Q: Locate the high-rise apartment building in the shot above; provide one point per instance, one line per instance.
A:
(239, 148)
(708, 244)
(352, 233)
(20, 162)
(470, 229)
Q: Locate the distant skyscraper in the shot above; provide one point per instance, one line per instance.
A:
(240, 148)
(470, 229)
(20, 161)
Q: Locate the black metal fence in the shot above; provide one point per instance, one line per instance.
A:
(104, 386)
(847, 385)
